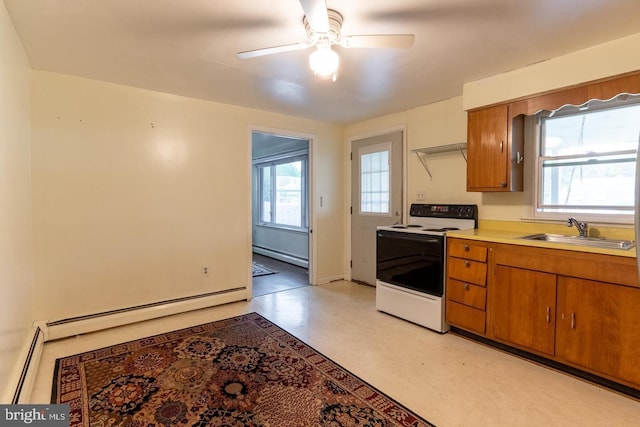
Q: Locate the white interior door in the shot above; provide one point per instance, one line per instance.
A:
(376, 198)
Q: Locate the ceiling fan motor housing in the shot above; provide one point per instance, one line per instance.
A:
(335, 25)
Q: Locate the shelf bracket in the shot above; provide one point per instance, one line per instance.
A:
(422, 153)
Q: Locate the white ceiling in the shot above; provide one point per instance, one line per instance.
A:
(188, 47)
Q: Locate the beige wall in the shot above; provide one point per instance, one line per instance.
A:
(445, 123)
(135, 191)
(15, 202)
(596, 62)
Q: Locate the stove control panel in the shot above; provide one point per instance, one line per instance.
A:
(444, 211)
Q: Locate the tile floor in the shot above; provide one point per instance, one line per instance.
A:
(288, 276)
(447, 379)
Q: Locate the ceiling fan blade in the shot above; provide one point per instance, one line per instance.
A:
(271, 50)
(317, 14)
(394, 41)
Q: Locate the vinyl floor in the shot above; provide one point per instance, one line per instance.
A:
(288, 276)
(447, 379)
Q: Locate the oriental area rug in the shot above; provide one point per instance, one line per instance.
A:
(242, 371)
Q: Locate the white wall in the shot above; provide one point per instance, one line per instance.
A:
(135, 191)
(15, 202)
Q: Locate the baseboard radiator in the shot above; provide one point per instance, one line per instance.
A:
(21, 386)
(281, 256)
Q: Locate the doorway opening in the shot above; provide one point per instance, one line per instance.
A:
(280, 212)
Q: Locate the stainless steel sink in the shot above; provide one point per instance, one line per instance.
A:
(582, 241)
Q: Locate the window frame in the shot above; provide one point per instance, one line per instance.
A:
(272, 163)
(537, 211)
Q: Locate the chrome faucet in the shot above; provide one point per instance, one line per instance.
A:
(581, 226)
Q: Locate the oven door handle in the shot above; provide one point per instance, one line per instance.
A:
(409, 236)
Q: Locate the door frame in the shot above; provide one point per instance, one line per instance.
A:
(310, 192)
(348, 195)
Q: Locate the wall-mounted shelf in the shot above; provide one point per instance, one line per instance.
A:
(422, 153)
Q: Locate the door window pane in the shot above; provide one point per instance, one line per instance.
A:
(374, 182)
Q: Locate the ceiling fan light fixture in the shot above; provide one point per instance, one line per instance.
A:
(324, 62)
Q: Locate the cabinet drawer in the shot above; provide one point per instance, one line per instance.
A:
(468, 251)
(467, 294)
(466, 317)
(467, 271)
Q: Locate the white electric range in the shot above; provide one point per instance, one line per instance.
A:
(410, 262)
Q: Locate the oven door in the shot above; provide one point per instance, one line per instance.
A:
(411, 260)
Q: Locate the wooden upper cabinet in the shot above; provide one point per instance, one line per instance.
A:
(494, 150)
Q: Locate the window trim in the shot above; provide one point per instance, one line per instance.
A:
(272, 162)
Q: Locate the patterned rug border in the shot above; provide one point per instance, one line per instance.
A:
(228, 321)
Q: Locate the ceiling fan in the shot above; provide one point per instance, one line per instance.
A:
(323, 30)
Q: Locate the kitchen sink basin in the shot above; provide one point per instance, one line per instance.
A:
(597, 242)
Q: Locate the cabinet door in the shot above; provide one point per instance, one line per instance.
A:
(523, 308)
(487, 153)
(599, 327)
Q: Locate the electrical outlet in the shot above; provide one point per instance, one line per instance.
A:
(205, 271)
(420, 196)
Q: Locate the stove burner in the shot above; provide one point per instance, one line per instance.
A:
(398, 226)
(414, 226)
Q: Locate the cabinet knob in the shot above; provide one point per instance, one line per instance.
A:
(467, 264)
(466, 248)
(573, 320)
(503, 184)
(466, 286)
(548, 314)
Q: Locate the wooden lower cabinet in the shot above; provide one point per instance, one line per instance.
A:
(524, 308)
(581, 310)
(598, 328)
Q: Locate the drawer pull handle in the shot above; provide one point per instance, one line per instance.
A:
(466, 248)
(573, 320)
(466, 286)
(467, 264)
(548, 314)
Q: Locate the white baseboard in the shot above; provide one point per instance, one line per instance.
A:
(82, 325)
(18, 388)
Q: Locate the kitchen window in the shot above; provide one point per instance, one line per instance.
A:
(586, 160)
(282, 192)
